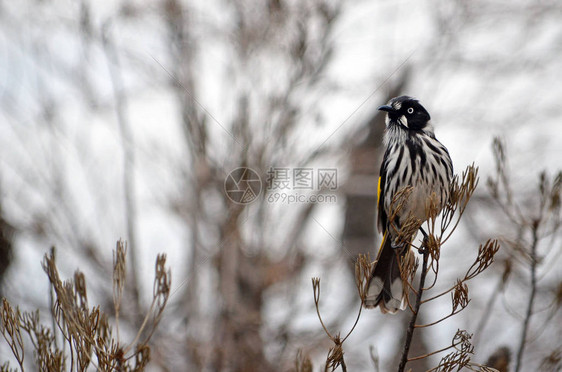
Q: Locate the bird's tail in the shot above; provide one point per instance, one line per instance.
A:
(385, 288)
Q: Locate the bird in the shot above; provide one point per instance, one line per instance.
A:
(415, 160)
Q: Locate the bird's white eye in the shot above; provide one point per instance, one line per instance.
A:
(410, 110)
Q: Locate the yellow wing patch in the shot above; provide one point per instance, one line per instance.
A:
(379, 192)
(380, 208)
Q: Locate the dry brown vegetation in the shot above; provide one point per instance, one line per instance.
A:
(437, 231)
(88, 338)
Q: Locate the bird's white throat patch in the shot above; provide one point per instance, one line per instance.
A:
(395, 133)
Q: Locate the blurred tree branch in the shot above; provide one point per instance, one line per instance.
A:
(128, 146)
(537, 222)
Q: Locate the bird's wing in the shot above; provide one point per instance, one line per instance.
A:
(381, 216)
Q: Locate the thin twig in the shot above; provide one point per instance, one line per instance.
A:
(411, 326)
(434, 352)
(52, 306)
(486, 314)
(529, 313)
(440, 320)
(316, 291)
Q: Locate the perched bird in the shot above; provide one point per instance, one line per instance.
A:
(413, 158)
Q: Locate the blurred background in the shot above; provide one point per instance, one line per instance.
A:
(123, 119)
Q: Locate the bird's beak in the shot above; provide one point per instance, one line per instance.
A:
(386, 108)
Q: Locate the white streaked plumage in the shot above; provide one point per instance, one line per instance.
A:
(424, 180)
(413, 157)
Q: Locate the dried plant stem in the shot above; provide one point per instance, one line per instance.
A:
(434, 352)
(129, 190)
(486, 314)
(52, 307)
(529, 313)
(440, 320)
(412, 325)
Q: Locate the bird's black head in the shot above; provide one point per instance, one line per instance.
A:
(406, 111)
